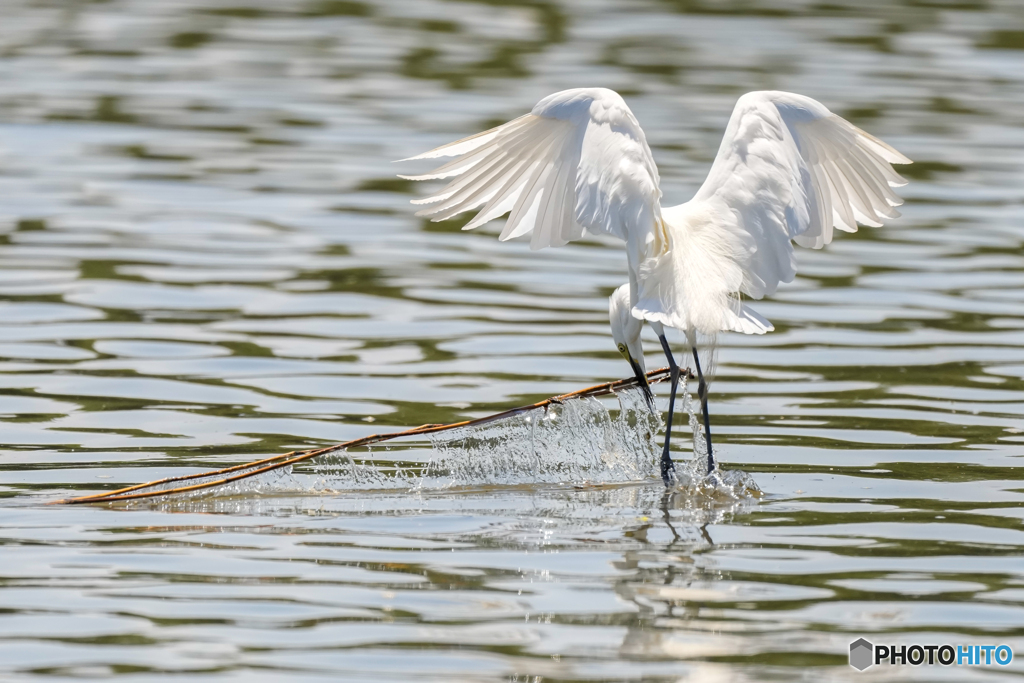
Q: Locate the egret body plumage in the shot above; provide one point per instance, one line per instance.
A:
(788, 170)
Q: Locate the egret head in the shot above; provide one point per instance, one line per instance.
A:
(626, 334)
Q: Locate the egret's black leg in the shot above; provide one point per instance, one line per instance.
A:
(702, 391)
(666, 458)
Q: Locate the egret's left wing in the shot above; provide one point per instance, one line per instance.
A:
(788, 170)
(579, 161)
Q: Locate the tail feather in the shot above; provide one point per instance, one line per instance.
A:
(748, 321)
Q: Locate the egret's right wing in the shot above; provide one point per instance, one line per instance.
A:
(579, 161)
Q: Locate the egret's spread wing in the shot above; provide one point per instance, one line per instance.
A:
(787, 170)
(579, 161)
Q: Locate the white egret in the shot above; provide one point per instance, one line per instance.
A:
(788, 170)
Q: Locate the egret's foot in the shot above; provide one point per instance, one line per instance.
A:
(711, 458)
(668, 468)
(714, 479)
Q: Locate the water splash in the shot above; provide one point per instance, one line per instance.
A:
(692, 477)
(577, 441)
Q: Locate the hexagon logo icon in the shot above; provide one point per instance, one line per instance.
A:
(862, 653)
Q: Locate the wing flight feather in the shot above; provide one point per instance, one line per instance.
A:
(788, 170)
(578, 162)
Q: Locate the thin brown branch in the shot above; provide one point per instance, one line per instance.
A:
(234, 473)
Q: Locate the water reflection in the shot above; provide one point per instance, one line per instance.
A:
(205, 258)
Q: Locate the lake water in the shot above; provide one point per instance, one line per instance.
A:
(206, 258)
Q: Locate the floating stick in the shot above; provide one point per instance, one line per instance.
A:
(235, 473)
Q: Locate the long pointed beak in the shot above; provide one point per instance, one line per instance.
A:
(642, 382)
